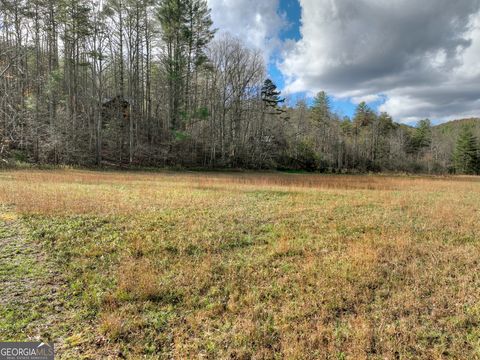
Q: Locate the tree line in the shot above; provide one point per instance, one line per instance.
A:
(148, 82)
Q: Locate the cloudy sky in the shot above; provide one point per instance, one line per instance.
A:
(414, 59)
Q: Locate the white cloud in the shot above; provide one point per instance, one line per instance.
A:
(366, 98)
(422, 56)
(256, 22)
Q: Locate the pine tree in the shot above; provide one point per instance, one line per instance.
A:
(466, 156)
(422, 137)
(186, 26)
(270, 94)
(321, 110)
(199, 34)
(321, 115)
(363, 115)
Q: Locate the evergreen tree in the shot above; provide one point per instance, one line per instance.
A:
(198, 35)
(364, 116)
(422, 137)
(466, 156)
(321, 110)
(186, 26)
(385, 122)
(270, 95)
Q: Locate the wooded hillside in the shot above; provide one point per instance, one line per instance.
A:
(148, 83)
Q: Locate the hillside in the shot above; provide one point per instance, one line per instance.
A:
(454, 125)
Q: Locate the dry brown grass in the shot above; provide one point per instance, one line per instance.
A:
(189, 265)
(75, 191)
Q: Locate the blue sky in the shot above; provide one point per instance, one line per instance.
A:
(412, 59)
(291, 11)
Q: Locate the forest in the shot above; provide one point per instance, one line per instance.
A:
(152, 83)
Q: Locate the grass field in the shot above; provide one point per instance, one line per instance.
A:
(261, 266)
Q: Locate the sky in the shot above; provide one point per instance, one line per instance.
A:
(413, 59)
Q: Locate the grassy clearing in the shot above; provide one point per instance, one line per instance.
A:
(30, 285)
(258, 265)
